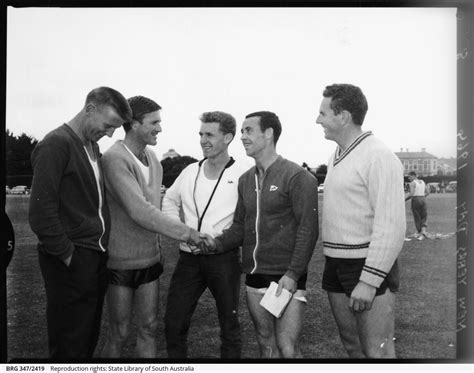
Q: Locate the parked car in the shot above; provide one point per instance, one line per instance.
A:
(452, 186)
(434, 187)
(20, 189)
(321, 188)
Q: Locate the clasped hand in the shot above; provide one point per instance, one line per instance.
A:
(201, 243)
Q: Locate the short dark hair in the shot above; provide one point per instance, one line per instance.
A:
(347, 97)
(140, 106)
(226, 121)
(412, 173)
(268, 120)
(105, 96)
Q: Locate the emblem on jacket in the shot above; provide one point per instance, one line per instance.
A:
(273, 188)
(230, 182)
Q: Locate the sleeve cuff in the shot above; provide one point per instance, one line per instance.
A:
(187, 237)
(219, 246)
(374, 279)
(293, 275)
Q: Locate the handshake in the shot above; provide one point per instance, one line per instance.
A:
(201, 243)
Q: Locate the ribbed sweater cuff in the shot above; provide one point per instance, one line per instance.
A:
(372, 276)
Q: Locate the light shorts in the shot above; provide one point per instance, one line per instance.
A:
(259, 283)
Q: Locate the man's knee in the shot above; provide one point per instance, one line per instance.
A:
(119, 330)
(265, 334)
(148, 325)
(352, 346)
(288, 348)
(383, 349)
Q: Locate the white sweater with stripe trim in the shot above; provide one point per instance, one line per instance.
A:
(364, 207)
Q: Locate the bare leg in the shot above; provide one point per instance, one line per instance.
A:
(288, 329)
(263, 322)
(376, 327)
(347, 324)
(119, 304)
(146, 308)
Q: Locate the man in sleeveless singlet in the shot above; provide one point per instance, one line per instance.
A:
(418, 191)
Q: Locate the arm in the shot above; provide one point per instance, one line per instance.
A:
(171, 203)
(234, 235)
(388, 229)
(123, 186)
(304, 199)
(427, 190)
(411, 192)
(49, 160)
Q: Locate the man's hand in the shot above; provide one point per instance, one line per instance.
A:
(194, 241)
(362, 297)
(286, 283)
(67, 261)
(208, 245)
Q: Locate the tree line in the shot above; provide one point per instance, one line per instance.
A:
(20, 172)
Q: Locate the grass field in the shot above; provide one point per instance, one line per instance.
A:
(425, 309)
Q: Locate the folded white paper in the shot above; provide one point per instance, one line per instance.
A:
(273, 304)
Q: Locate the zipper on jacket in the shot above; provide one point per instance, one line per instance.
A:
(257, 188)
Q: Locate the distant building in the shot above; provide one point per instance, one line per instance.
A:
(170, 154)
(423, 163)
(426, 164)
(447, 166)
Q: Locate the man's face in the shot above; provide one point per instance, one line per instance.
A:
(330, 122)
(149, 127)
(253, 138)
(101, 121)
(213, 141)
(411, 178)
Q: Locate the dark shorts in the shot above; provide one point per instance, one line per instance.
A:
(342, 276)
(133, 278)
(259, 281)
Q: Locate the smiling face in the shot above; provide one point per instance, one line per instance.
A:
(213, 141)
(331, 122)
(149, 127)
(100, 121)
(253, 138)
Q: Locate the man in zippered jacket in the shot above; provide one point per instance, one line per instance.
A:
(276, 222)
(68, 214)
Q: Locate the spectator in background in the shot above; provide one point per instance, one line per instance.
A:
(133, 177)
(417, 193)
(68, 214)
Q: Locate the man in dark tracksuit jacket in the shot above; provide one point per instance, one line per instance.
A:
(68, 214)
(276, 222)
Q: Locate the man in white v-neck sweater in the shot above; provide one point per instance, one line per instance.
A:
(133, 177)
(363, 226)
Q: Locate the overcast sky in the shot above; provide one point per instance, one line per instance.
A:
(240, 60)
